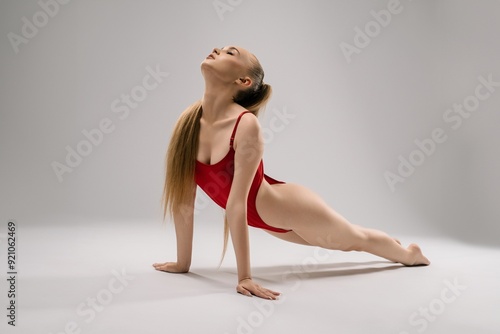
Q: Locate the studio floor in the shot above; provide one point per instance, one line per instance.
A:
(97, 277)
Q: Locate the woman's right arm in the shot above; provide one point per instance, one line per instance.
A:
(183, 222)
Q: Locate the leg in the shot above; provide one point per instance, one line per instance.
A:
(379, 243)
(304, 212)
(290, 237)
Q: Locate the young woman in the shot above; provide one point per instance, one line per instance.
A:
(217, 144)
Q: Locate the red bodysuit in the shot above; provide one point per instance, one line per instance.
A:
(216, 181)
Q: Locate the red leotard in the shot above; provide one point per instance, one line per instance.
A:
(216, 181)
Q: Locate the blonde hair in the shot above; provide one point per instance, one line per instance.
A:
(180, 161)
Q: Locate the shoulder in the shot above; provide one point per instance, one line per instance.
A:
(248, 133)
(249, 124)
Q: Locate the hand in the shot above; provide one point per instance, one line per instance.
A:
(248, 287)
(170, 267)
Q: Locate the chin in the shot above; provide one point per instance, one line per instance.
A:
(205, 62)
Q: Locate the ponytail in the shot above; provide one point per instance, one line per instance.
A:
(254, 99)
(180, 160)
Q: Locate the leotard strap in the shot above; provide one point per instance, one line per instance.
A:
(235, 127)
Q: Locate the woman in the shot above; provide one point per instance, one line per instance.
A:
(217, 144)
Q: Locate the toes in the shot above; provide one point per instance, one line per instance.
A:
(418, 258)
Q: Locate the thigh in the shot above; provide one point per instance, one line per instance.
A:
(306, 214)
(290, 236)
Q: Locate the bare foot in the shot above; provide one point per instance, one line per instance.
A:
(416, 257)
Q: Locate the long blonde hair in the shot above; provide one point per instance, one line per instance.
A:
(180, 161)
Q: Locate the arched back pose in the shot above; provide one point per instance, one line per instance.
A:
(217, 144)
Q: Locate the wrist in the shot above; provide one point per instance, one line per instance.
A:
(244, 279)
(183, 266)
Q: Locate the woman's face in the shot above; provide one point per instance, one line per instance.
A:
(227, 64)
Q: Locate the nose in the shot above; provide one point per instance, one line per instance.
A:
(216, 51)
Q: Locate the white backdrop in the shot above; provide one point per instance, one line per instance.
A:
(360, 81)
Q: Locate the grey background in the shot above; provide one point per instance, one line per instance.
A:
(352, 120)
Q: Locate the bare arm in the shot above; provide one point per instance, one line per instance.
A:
(183, 222)
(249, 149)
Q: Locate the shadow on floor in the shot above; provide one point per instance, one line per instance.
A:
(316, 271)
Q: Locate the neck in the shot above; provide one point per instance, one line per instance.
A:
(217, 102)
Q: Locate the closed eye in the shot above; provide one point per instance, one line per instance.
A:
(230, 51)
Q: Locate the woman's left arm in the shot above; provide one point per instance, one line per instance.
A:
(249, 147)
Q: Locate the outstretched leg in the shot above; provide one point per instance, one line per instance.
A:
(304, 212)
(379, 243)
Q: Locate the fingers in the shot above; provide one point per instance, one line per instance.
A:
(269, 294)
(161, 266)
(158, 266)
(257, 291)
(171, 267)
(275, 293)
(243, 291)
